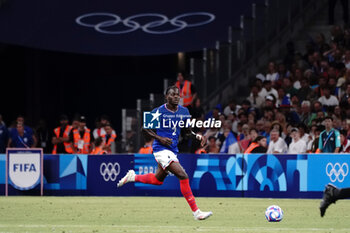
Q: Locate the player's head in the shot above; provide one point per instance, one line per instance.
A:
(172, 95)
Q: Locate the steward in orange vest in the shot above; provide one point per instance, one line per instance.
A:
(82, 137)
(185, 88)
(99, 144)
(146, 149)
(109, 137)
(61, 140)
(257, 146)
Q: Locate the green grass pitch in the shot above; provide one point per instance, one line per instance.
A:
(165, 214)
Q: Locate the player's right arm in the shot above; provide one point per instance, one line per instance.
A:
(163, 140)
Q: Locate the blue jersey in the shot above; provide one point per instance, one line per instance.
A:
(24, 141)
(170, 124)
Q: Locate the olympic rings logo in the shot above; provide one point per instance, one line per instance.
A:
(150, 27)
(109, 171)
(337, 172)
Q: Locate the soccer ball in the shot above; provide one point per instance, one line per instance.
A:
(274, 213)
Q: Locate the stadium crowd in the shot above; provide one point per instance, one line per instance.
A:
(300, 104)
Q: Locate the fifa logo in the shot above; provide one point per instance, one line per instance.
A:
(26, 167)
(151, 120)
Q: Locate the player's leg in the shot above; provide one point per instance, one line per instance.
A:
(150, 178)
(186, 191)
(330, 195)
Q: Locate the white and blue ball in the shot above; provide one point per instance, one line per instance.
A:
(274, 213)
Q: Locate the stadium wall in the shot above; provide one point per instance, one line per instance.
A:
(211, 175)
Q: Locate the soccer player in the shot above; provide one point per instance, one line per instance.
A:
(331, 194)
(165, 150)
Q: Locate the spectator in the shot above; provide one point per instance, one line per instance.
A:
(332, 85)
(344, 103)
(277, 144)
(213, 148)
(82, 137)
(268, 90)
(270, 101)
(282, 72)
(21, 138)
(313, 144)
(329, 141)
(290, 114)
(271, 74)
(303, 133)
(306, 115)
(63, 137)
(20, 120)
(231, 108)
(328, 101)
(255, 100)
(287, 85)
(344, 141)
(260, 127)
(4, 136)
(147, 147)
(296, 78)
(230, 139)
(75, 122)
(320, 43)
(187, 90)
(305, 91)
(322, 83)
(297, 146)
(110, 137)
(196, 110)
(259, 145)
(99, 144)
(99, 131)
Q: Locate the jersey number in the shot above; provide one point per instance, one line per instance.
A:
(174, 133)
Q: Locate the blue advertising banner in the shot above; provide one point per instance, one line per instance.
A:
(120, 27)
(217, 175)
(329, 168)
(105, 171)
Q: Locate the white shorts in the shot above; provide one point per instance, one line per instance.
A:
(165, 158)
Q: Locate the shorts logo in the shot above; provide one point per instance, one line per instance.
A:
(337, 172)
(109, 171)
(151, 120)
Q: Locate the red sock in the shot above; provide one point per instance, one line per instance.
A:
(149, 178)
(187, 193)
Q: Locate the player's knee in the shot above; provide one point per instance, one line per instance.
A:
(182, 176)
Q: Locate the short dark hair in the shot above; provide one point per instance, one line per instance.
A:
(98, 141)
(258, 138)
(328, 117)
(169, 88)
(344, 132)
